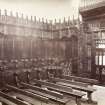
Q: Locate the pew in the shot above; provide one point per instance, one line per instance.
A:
(6, 101)
(68, 81)
(74, 94)
(73, 85)
(22, 94)
(62, 101)
(81, 79)
(25, 98)
(61, 89)
(41, 98)
(58, 95)
(53, 96)
(10, 99)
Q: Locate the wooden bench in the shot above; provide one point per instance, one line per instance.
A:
(68, 81)
(41, 98)
(53, 96)
(25, 98)
(6, 101)
(73, 94)
(85, 89)
(47, 91)
(35, 95)
(58, 95)
(61, 89)
(10, 99)
(81, 79)
(75, 85)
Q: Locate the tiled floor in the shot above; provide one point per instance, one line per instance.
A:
(99, 95)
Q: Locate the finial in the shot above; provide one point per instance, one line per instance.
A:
(0, 11)
(11, 14)
(73, 17)
(35, 18)
(64, 20)
(22, 16)
(50, 21)
(69, 20)
(43, 20)
(59, 20)
(46, 21)
(5, 12)
(17, 14)
(39, 19)
(26, 17)
(55, 21)
(31, 18)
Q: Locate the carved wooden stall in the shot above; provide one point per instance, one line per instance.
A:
(24, 41)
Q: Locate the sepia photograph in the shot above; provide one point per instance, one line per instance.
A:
(52, 52)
